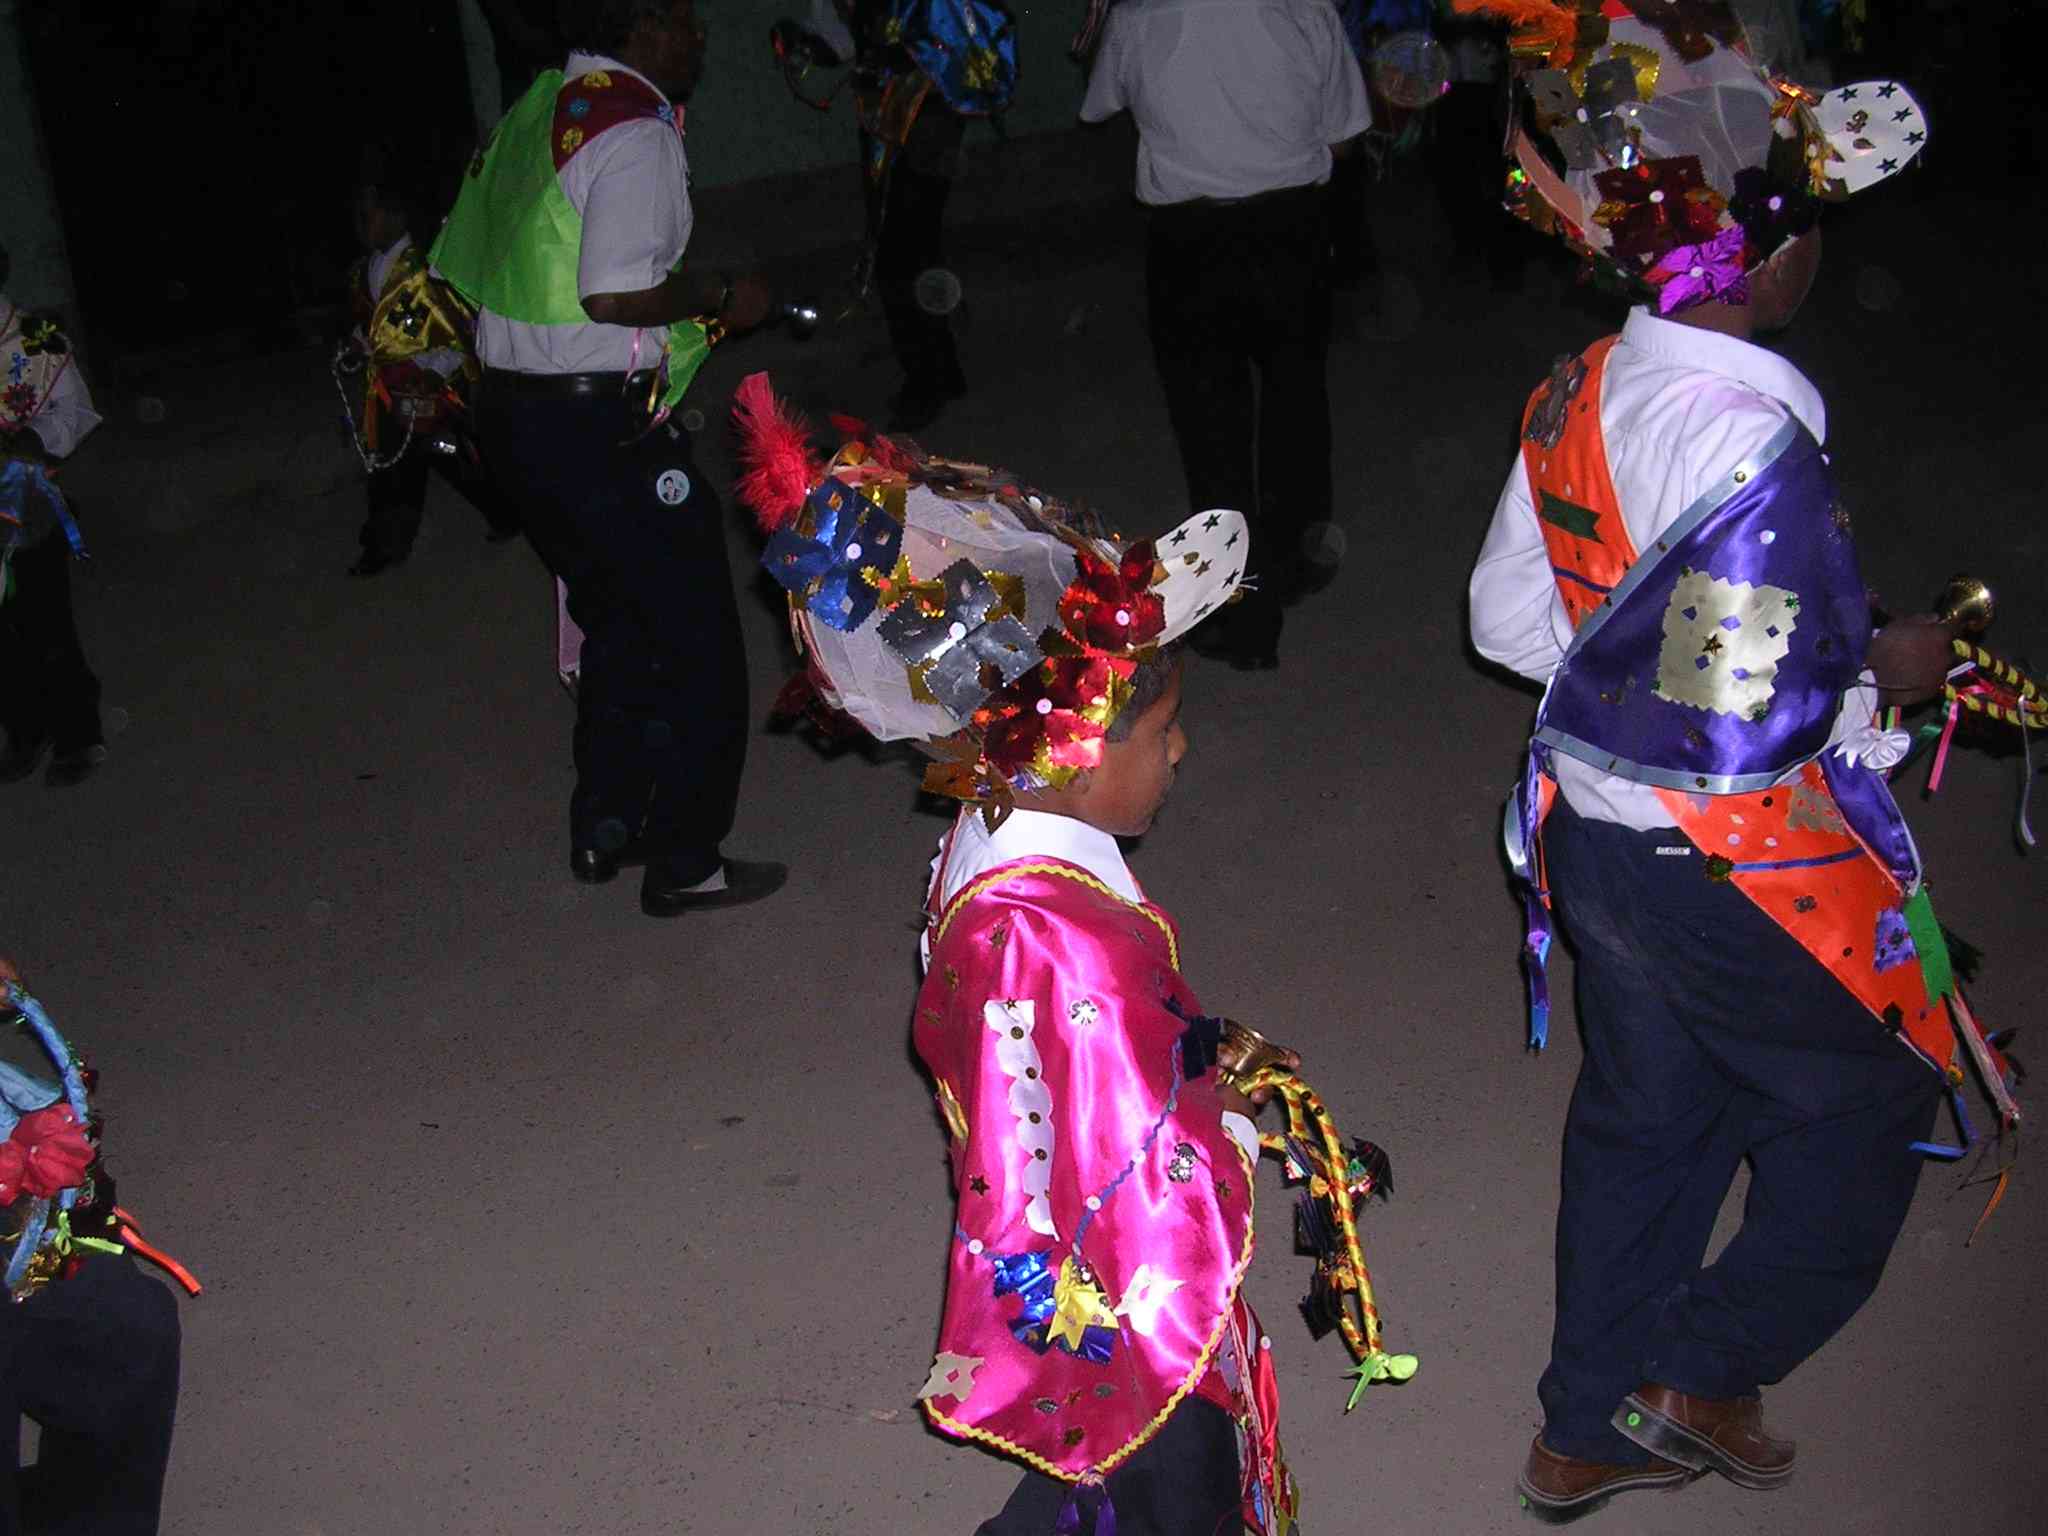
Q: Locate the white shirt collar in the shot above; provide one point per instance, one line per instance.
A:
(1033, 834)
(584, 63)
(1689, 346)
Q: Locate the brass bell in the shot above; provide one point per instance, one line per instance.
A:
(1966, 605)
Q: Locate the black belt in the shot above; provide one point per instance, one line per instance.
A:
(560, 386)
(1200, 205)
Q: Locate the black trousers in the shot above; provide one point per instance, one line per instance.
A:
(661, 708)
(94, 1361)
(911, 240)
(46, 688)
(1711, 1037)
(1239, 301)
(1184, 1481)
(398, 496)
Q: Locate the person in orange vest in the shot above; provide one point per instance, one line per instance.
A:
(1760, 977)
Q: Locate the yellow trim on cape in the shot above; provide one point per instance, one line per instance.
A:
(1065, 871)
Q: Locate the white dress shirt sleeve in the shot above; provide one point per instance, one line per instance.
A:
(1107, 94)
(1518, 620)
(635, 202)
(1347, 110)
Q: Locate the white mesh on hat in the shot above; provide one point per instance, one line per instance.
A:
(1717, 109)
(868, 678)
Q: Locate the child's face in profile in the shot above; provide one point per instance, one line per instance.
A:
(1124, 793)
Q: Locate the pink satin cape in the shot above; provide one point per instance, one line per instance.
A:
(1047, 997)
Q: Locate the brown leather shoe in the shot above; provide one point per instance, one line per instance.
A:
(1559, 1489)
(1724, 1435)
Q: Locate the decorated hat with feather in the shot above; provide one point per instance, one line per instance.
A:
(1647, 137)
(950, 605)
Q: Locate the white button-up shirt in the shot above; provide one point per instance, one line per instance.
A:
(974, 851)
(631, 186)
(1678, 407)
(1232, 97)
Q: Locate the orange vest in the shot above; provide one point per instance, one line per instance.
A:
(1788, 848)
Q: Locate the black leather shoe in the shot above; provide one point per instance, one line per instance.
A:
(745, 881)
(21, 759)
(74, 766)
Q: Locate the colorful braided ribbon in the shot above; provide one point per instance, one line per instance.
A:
(1311, 1132)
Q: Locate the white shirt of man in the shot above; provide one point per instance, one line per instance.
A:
(1232, 97)
(631, 186)
(1678, 407)
(65, 415)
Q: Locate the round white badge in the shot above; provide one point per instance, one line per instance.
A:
(672, 486)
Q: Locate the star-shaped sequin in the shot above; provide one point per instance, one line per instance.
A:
(978, 1184)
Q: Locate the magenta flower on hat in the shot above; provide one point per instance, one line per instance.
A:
(1692, 274)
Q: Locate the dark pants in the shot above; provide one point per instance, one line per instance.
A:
(1239, 299)
(1354, 254)
(1467, 125)
(46, 689)
(1184, 1481)
(661, 708)
(398, 495)
(1710, 1037)
(94, 1361)
(911, 241)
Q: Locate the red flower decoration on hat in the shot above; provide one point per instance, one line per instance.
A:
(1657, 205)
(1052, 720)
(1113, 607)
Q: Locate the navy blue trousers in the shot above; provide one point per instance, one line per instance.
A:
(1711, 1037)
(661, 706)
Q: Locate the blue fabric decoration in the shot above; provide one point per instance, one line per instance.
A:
(849, 532)
(24, 486)
(968, 47)
(1032, 1276)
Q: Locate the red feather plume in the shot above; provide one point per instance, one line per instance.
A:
(778, 467)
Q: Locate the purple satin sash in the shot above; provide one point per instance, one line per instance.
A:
(1717, 666)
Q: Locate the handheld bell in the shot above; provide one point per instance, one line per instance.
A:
(1966, 605)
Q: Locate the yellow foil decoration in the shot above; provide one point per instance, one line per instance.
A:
(1077, 1303)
